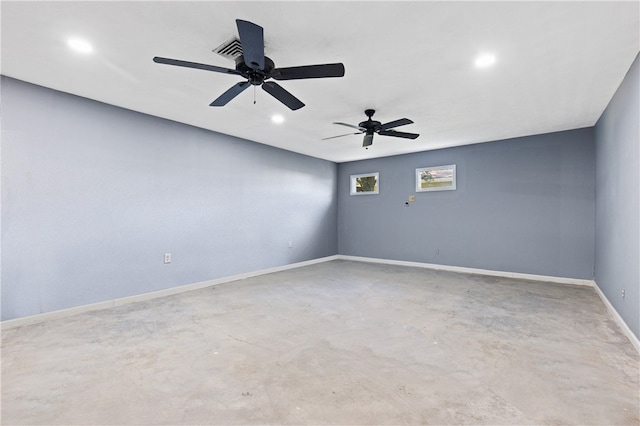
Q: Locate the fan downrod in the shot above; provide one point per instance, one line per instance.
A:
(370, 125)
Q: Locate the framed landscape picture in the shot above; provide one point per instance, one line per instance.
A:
(366, 183)
(440, 178)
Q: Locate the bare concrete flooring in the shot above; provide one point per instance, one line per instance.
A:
(333, 343)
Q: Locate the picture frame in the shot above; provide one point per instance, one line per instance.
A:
(438, 178)
(365, 184)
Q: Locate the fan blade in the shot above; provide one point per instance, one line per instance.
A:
(308, 71)
(368, 140)
(398, 134)
(205, 67)
(348, 125)
(396, 123)
(252, 40)
(230, 94)
(282, 95)
(339, 136)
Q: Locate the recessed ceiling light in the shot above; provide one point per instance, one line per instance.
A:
(79, 45)
(485, 60)
(277, 118)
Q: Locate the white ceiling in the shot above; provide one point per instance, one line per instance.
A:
(558, 65)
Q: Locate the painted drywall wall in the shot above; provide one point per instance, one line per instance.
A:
(617, 258)
(523, 205)
(94, 195)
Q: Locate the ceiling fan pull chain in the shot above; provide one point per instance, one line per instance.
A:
(254, 95)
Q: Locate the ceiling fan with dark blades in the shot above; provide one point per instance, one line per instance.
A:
(370, 126)
(257, 69)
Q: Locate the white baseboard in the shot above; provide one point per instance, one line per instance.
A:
(618, 319)
(560, 280)
(48, 316)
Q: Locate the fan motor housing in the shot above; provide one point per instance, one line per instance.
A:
(369, 124)
(255, 77)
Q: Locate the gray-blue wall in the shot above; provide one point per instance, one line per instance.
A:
(523, 205)
(617, 261)
(94, 195)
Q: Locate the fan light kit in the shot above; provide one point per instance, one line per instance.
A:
(257, 69)
(370, 126)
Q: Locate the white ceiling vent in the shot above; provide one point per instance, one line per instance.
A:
(229, 49)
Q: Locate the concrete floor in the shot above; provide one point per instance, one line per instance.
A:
(333, 343)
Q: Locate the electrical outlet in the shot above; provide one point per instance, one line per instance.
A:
(290, 244)
(437, 251)
(623, 293)
(167, 258)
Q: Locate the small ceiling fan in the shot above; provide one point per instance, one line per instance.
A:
(370, 126)
(257, 69)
